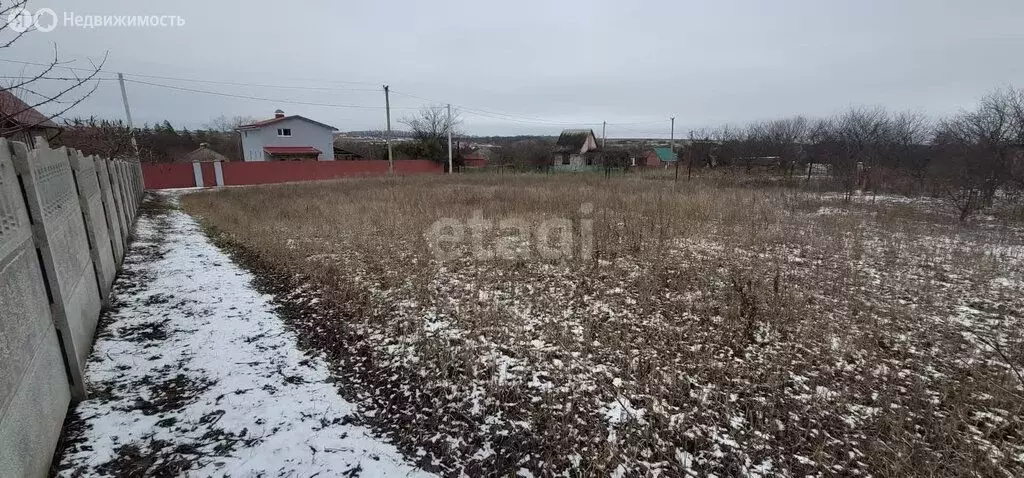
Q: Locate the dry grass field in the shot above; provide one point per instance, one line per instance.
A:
(694, 329)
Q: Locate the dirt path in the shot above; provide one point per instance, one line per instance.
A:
(194, 374)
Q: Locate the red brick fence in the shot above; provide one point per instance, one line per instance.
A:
(236, 173)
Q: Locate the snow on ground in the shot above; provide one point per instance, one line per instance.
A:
(194, 374)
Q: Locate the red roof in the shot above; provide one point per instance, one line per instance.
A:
(291, 150)
(262, 123)
(17, 111)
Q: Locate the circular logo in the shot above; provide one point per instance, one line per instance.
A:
(21, 20)
(41, 21)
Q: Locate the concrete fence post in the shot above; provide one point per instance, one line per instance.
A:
(110, 210)
(34, 392)
(59, 232)
(90, 199)
(197, 171)
(218, 171)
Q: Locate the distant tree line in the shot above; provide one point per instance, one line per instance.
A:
(157, 143)
(969, 158)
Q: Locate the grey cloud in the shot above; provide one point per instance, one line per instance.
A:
(567, 61)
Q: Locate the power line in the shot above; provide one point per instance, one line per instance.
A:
(258, 98)
(178, 78)
(497, 115)
(63, 78)
(638, 131)
(469, 110)
(228, 83)
(643, 123)
(255, 85)
(526, 119)
(516, 120)
(464, 108)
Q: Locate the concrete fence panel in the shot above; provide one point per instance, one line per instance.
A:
(119, 202)
(110, 210)
(129, 171)
(132, 200)
(125, 196)
(133, 173)
(140, 180)
(34, 391)
(139, 187)
(90, 199)
(59, 232)
(132, 180)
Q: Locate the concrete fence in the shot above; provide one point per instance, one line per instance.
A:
(65, 222)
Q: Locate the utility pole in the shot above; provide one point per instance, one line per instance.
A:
(689, 166)
(387, 112)
(672, 135)
(128, 114)
(449, 128)
(604, 137)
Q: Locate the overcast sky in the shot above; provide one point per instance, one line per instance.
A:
(543, 63)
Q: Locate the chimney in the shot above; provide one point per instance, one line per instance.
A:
(278, 114)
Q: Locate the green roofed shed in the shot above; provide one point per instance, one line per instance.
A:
(665, 154)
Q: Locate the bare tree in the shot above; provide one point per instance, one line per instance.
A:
(970, 156)
(529, 154)
(906, 137)
(852, 141)
(53, 84)
(780, 138)
(977, 149)
(430, 128)
(106, 138)
(226, 125)
(714, 147)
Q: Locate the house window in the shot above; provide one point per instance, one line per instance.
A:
(565, 158)
(284, 131)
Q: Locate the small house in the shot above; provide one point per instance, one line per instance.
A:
(575, 149)
(284, 138)
(203, 154)
(660, 157)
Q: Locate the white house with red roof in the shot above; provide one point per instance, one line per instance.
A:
(284, 138)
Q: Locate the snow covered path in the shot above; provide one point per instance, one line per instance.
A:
(194, 374)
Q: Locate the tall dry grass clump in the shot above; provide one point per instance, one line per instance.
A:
(713, 328)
